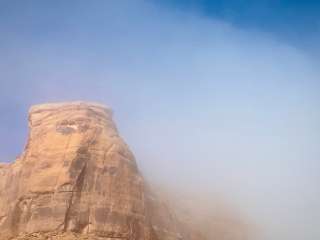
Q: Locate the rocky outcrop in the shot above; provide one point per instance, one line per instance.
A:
(77, 179)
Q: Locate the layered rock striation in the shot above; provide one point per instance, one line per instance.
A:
(78, 179)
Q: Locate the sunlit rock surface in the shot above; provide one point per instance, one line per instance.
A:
(77, 179)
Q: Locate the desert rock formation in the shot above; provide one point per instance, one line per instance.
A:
(77, 179)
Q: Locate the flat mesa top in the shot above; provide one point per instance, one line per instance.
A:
(75, 104)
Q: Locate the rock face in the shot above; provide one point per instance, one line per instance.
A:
(78, 179)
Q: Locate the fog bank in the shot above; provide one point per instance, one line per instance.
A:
(208, 109)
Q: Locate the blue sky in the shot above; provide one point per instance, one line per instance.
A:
(294, 21)
(219, 94)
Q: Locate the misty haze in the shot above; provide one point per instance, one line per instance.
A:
(159, 120)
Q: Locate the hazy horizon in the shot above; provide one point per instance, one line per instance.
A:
(206, 102)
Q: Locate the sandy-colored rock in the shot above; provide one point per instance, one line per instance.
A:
(77, 179)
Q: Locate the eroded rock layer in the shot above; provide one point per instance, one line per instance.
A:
(78, 179)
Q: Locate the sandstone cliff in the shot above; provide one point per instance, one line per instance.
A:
(77, 179)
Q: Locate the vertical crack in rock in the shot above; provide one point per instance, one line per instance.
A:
(75, 198)
(15, 218)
